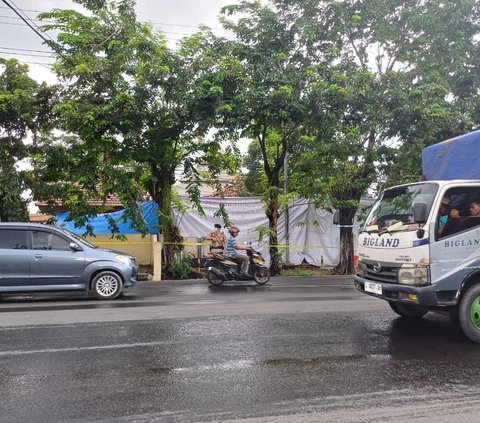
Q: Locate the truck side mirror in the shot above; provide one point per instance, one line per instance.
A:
(420, 213)
(336, 217)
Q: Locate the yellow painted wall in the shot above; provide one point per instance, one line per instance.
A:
(136, 245)
(147, 250)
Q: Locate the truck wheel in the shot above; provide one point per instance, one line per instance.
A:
(469, 313)
(407, 310)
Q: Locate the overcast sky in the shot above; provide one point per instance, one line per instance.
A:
(176, 18)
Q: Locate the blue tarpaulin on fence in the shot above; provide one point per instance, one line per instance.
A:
(100, 225)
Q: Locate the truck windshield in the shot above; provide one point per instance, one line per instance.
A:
(394, 210)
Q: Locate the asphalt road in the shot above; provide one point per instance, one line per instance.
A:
(295, 350)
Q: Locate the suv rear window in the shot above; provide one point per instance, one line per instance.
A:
(13, 239)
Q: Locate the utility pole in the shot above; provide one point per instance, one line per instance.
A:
(287, 214)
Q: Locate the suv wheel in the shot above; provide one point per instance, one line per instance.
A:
(107, 285)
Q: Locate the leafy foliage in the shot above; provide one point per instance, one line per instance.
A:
(137, 112)
(182, 266)
(25, 110)
(384, 80)
(348, 91)
(268, 104)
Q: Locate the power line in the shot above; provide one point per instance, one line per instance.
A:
(163, 31)
(16, 17)
(25, 49)
(44, 64)
(24, 17)
(12, 23)
(25, 10)
(153, 23)
(24, 54)
(50, 42)
(181, 34)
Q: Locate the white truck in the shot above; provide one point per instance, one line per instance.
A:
(407, 254)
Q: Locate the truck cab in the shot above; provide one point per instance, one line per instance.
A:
(419, 249)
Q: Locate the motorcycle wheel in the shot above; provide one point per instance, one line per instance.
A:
(261, 275)
(214, 279)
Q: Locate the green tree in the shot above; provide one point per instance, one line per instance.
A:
(137, 110)
(268, 103)
(255, 182)
(25, 109)
(386, 77)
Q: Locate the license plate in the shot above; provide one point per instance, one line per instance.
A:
(374, 288)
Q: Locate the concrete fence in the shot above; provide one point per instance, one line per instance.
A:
(147, 250)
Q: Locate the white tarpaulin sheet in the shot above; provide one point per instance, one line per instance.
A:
(313, 236)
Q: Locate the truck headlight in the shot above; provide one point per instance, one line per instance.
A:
(413, 275)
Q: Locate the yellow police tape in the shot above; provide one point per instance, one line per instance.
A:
(204, 244)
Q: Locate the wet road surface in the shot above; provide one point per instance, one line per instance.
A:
(296, 350)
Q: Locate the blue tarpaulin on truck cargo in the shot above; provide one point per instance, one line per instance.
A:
(100, 222)
(456, 158)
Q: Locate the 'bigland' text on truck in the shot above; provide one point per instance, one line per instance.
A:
(419, 248)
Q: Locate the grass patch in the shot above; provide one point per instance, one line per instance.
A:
(306, 271)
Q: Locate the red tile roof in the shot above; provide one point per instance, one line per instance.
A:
(39, 217)
(112, 201)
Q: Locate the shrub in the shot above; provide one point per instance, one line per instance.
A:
(182, 266)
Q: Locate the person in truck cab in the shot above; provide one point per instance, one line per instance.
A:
(457, 223)
(453, 223)
(474, 218)
(443, 213)
(475, 208)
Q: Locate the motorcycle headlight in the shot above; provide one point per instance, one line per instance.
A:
(413, 275)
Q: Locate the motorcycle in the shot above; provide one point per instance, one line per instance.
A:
(222, 268)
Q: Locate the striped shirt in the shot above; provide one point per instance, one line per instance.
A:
(231, 246)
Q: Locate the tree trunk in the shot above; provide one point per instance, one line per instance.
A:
(171, 234)
(272, 214)
(345, 265)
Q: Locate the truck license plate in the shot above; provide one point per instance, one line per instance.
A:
(373, 287)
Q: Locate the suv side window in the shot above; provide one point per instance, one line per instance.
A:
(48, 241)
(13, 239)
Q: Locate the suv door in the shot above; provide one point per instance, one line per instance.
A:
(54, 262)
(15, 257)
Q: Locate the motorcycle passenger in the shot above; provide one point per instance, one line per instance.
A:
(218, 239)
(233, 247)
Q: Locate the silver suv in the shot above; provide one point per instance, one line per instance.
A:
(39, 258)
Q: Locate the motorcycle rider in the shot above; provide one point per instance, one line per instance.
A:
(233, 247)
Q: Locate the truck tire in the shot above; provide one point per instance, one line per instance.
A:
(407, 310)
(469, 313)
